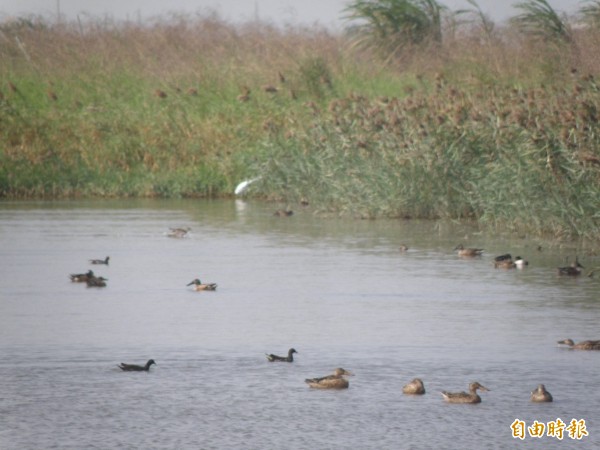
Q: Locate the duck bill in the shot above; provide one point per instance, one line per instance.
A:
(190, 283)
(483, 388)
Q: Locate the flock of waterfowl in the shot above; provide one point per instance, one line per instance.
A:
(89, 277)
(506, 261)
(98, 281)
(338, 379)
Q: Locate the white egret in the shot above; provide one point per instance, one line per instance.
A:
(240, 188)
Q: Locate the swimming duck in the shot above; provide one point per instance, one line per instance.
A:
(100, 261)
(468, 252)
(335, 381)
(503, 257)
(504, 264)
(465, 397)
(81, 277)
(199, 286)
(415, 387)
(573, 270)
(289, 358)
(283, 213)
(540, 395)
(178, 232)
(520, 262)
(96, 281)
(135, 367)
(403, 248)
(583, 345)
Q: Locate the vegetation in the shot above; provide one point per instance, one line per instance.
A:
(590, 12)
(484, 124)
(539, 19)
(389, 26)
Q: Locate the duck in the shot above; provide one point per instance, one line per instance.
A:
(81, 277)
(403, 248)
(135, 367)
(465, 397)
(520, 263)
(540, 395)
(283, 213)
(200, 286)
(178, 232)
(583, 345)
(468, 252)
(506, 256)
(504, 264)
(335, 381)
(415, 387)
(289, 358)
(96, 281)
(573, 270)
(100, 261)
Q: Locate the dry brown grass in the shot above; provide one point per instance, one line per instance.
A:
(123, 109)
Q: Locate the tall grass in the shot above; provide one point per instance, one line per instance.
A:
(522, 159)
(487, 125)
(112, 110)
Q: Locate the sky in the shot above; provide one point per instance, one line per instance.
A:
(285, 12)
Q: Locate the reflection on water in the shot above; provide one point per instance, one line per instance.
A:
(338, 291)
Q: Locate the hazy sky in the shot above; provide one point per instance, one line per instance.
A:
(295, 12)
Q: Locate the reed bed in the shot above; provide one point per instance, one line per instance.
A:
(156, 110)
(524, 160)
(493, 128)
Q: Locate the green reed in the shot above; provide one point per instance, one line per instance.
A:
(499, 131)
(504, 159)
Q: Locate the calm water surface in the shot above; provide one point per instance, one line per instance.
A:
(339, 291)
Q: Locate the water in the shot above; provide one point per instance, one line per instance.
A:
(339, 291)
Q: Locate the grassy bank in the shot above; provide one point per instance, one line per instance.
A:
(492, 128)
(139, 111)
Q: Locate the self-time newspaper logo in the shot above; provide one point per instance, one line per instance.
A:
(576, 429)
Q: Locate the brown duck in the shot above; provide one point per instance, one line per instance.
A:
(200, 286)
(468, 252)
(415, 387)
(465, 397)
(573, 270)
(540, 395)
(583, 345)
(335, 381)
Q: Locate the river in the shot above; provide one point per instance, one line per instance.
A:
(340, 291)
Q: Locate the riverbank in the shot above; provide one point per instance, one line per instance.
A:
(495, 130)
